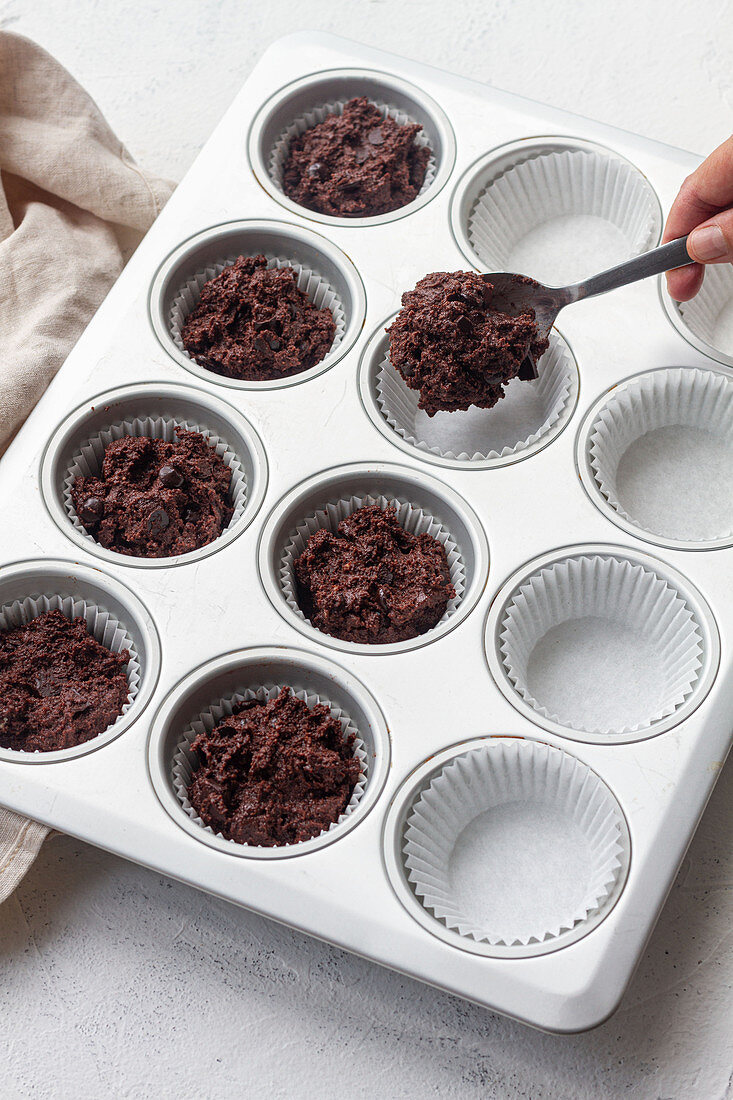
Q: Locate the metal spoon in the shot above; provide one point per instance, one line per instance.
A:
(512, 296)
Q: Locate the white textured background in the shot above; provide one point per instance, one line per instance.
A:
(115, 982)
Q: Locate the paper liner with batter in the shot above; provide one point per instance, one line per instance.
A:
(569, 184)
(315, 286)
(104, 627)
(184, 761)
(279, 152)
(414, 519)
(514, 843)
(600, 644)
(696, 406)
(527, 413)
(87, 460)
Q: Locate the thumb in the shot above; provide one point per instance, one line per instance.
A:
(712, 242)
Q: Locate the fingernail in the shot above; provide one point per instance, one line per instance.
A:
(707, 243)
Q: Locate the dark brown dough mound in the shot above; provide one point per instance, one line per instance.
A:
(274, 773)
(58, 686)
(447, 343)
(355, 164)
(156, 499)
(253, 323)
(372, 581)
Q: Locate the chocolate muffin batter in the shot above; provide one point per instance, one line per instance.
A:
(274, 773)
(252, 322)
(355, 164)
(58, 686)
(449, 344)
(156, 499)
(372, 581)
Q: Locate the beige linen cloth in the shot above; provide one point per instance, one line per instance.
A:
(73, 205)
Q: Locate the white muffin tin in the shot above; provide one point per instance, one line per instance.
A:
(524, 521)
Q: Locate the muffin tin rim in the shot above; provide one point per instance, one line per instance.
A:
(554, 143)
(157, 770)
(409, 789)
(304, 235)
(163, 389)
(590, 485)
(62, 568)
(259, 168)
(365, 372)
(672, 312)
(330, 476)
(683, 587)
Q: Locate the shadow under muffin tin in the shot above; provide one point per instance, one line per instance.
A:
(535, 763)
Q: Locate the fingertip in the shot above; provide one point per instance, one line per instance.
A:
(684, 282)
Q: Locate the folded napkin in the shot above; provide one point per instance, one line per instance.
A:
(73, 207)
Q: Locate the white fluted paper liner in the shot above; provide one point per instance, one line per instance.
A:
(709, 315)
(87, 461)
(102, 625)
(661, 450)
(514, 843)
(318, 290)
(600, 644)
(184, 762)
(560, 216)
(527, 413)
(410, 516)
(317, 114)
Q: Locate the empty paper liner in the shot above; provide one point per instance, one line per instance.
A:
(601, 644)
(101, 624)
(561, 215)
(315, 286)
(317, 114)
(184, 761)
(87, 461)
(411, 518)
(514, 843)
(530, 413)
(661, 452)
(709, 315)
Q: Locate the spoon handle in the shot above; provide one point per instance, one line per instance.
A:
(664, 258)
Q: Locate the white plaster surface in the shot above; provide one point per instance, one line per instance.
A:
(115, 982)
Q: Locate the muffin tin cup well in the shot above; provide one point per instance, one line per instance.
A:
(601, 643)
(423, 505)
(655, 452)
(306, 102)
(113, 615)
(506, 846)
(525, 421)
(324, 273)
(77, 448)
(555, 208)
(203, 696)
(706, 321)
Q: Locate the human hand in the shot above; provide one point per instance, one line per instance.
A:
(704, 209)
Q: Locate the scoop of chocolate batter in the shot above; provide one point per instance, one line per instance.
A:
(155, 499)
(449, 344)
(274, 773)
(58, 686)
(253, 323)
(372, 581)
(355, 164)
